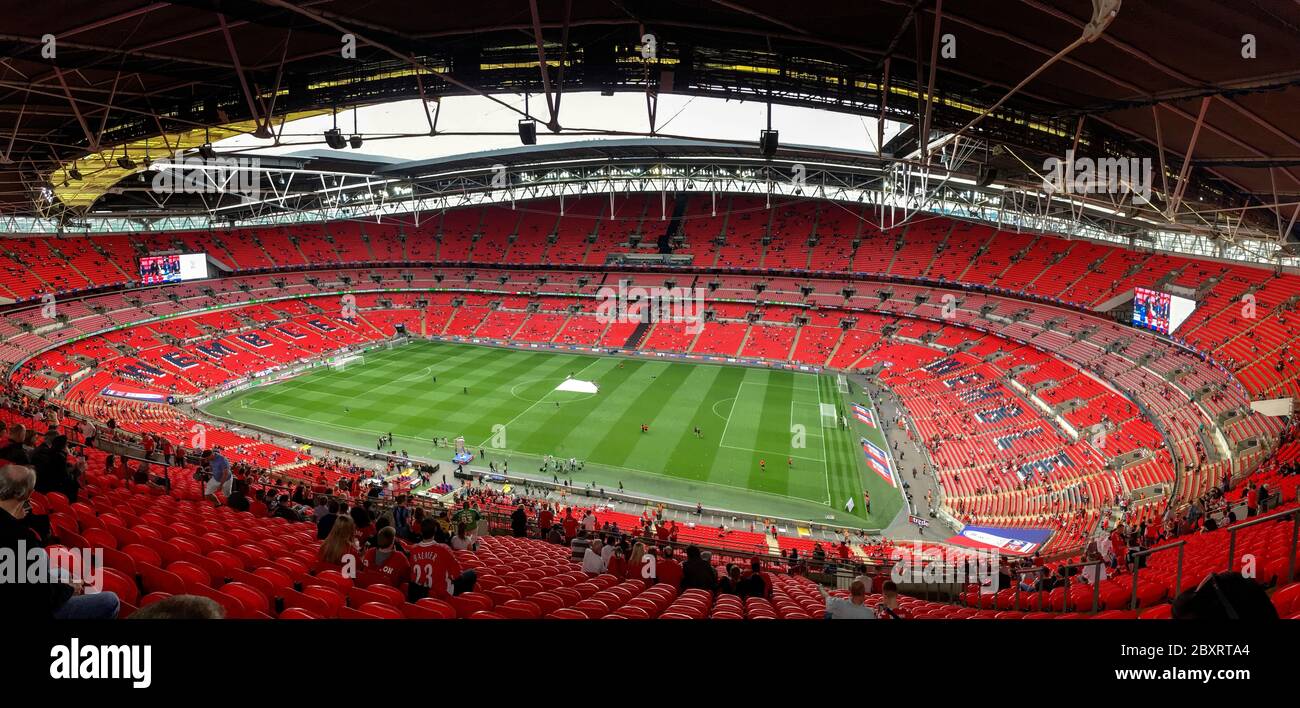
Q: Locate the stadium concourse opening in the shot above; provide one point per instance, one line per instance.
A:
(687, 309)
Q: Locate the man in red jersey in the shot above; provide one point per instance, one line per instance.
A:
(435, 572)
(667, 569)
(385, 562)
(544, 519)
(570, 525)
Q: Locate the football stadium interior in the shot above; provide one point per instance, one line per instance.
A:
(670, 309)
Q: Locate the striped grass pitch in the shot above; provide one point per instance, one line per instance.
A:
(748, 416)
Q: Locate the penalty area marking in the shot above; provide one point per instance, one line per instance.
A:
(714, 408)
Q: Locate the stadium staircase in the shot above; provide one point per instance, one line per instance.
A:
(638, 334)
(674, 223)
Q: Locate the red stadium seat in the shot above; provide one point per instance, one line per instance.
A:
(1287, 600)
(153, 597)
(249, 596)
(121, 584)
(121, 562)
(381, 610)
(1156, 612)
(333, 599)
(229, 561)
(315, 605)
(334, 579)
(233, 607)
(154, 579)
(421, 611)
(518, 609)
(193, 575)
(360, 596)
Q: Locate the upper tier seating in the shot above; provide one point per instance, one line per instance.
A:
(1180, 391)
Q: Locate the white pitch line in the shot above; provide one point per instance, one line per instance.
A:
(771, 452)
(535, 403)
(722, 440)
(826, 472)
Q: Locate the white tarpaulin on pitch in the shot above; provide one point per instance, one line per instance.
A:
(577, 386)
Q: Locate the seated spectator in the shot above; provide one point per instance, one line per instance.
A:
(141, 474)
(435, 572)
(325, 523)
(1225, 596)
(617, 564)
(238, 501)
(697, 572)
(730, 583)
(363, 519)
(339, 548)
(463, 540)
(385, 561)
(668, 569)
(14, 451)
(284, 509)
(258, 507)
(756, 583)
(635, 562)
(57, 600)
(591, 561)
(52, 471)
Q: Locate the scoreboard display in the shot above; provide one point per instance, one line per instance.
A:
(173, 268)
(1160, 311)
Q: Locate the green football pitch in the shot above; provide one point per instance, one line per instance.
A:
(765, 447)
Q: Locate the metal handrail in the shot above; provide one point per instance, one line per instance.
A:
(1276, 516)
(1178, 573)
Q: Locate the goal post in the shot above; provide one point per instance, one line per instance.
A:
(344, 362)
(830, 417)
(842, 383)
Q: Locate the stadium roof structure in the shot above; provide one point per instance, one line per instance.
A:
(90, 97)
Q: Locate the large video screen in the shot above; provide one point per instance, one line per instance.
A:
(173, 268)
(1160, 312)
